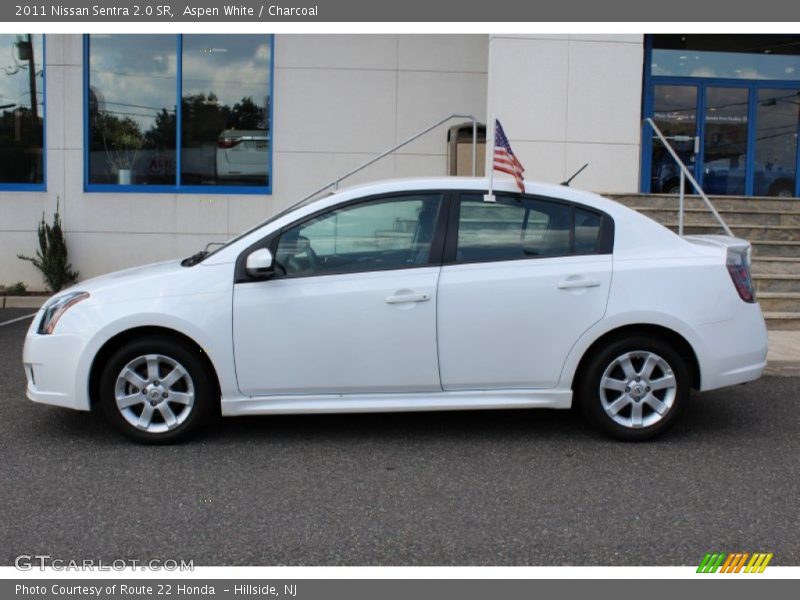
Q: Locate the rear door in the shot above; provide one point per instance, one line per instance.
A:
(523, 278)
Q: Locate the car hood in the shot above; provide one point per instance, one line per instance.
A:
(166, 278)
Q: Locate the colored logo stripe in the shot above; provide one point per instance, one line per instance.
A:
(734, 562)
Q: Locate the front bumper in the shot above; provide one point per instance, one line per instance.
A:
(51, 369)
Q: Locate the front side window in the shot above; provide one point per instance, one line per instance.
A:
(517, 228)
(393, 233)
(22, 110)
(185, 113)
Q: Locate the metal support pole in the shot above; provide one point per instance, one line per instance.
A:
(681, 201)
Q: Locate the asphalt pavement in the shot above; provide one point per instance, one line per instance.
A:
(461, 488)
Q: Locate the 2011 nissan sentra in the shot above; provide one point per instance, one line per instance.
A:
(411, 295)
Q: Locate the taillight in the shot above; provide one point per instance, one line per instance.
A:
(227, 142)
(738, 263)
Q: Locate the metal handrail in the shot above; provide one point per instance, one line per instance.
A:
(335, 183)
(686, 174)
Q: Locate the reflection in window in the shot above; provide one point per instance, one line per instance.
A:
(730, 56)
(222, 123)
(132, 81)
(376, 235)
(225, 110)
(512, 228)
(21, 109)
(725, 141)
(777, 122)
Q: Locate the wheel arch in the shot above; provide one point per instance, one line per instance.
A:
(675, 339)
(123, 337)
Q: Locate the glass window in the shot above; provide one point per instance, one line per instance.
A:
(223, 121)
(393, 233)
(587, 231)
(725, 140)
(777, 124)
(21, 109)
(132, 81)
(226, 137)
(512, 228)
(728, 56)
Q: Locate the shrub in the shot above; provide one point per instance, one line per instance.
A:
(15, 289)
(51, 257)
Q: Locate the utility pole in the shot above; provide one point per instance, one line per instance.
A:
(32, 80)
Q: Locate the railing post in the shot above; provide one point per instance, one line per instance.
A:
(685, 172)
(681, 201)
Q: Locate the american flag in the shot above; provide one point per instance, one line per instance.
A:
(504, 159)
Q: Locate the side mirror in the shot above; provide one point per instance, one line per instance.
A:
(259, 263)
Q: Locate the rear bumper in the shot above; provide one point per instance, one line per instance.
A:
(735, 350)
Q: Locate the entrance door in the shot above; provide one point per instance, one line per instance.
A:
(675, 113)
(725, 129)
(737, 138)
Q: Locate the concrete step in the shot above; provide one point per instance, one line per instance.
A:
(776, 283)
(779, 302)
(775, 248)
(702, 216)
(782, 320)
(751, 233)
(736, 203)
(779, 265)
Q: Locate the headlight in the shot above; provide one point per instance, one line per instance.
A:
(57, 307)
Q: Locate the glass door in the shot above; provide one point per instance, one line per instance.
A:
(675, 114)
(725, 130)
(776, 129)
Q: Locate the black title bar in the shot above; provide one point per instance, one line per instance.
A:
(441, 11)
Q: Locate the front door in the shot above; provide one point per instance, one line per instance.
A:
(352, 307)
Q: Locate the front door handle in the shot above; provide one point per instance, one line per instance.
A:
(402, 298)
(571, 284)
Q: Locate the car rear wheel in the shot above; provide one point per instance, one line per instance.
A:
(156, 391)
(635, 388)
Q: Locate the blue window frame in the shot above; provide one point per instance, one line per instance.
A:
(759, 173)
(178, 113)
(23, 156)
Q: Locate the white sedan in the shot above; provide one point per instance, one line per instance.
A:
(411, 295)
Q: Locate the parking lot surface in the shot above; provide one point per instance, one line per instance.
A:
(461, 488)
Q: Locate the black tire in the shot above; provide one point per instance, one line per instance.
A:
(196, 383)
(594, 400)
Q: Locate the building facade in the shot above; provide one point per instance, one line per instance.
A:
(153, 146)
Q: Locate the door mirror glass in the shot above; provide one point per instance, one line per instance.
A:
(259, 263)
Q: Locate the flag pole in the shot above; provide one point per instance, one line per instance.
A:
(490, 196)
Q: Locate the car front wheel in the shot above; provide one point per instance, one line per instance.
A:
(635, 388)
(156, 390)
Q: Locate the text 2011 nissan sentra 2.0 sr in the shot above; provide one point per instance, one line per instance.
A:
(411, 295)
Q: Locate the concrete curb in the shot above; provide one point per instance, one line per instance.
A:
(22, 301)
(783, 368)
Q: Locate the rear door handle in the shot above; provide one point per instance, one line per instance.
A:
(402, 298)
(571, 284)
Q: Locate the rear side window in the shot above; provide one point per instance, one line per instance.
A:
(516, 228)
(587, 231)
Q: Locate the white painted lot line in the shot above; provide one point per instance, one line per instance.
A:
(18, 319)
